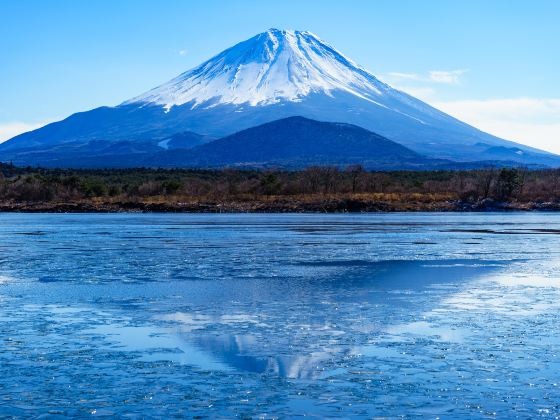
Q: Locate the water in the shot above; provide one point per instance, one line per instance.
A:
(395, 315)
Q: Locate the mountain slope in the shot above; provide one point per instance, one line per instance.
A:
(103, 153)
(274, 75)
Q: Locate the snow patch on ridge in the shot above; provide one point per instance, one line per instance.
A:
(164, 144)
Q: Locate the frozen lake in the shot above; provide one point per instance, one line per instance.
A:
(428, 315)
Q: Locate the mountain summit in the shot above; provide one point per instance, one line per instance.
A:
(271, 67)
(274, 75)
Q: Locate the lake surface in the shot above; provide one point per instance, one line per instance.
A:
(395, 315)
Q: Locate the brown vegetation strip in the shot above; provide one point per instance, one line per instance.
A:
(316, 189)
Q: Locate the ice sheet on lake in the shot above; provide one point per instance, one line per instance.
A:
(244, 315)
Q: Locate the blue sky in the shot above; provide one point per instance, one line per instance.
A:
(492, 63)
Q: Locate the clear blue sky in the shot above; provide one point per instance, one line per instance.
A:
(494, 63)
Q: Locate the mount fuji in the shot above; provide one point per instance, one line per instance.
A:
(274, 75)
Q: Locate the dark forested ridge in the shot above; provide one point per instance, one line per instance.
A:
(295, 143)
(324, 189)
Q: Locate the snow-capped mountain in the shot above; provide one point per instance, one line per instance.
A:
(273, 67)
(269, 68)
(274, 75)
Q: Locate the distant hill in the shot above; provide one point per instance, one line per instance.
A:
(298, 142)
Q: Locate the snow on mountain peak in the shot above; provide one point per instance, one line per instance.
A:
(276, 65)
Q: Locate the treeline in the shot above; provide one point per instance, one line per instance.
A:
(31, 184)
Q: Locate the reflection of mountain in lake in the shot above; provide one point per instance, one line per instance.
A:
(297, 353)
(352, 278)
(238, 351)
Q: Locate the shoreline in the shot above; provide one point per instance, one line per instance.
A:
(276, 206)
